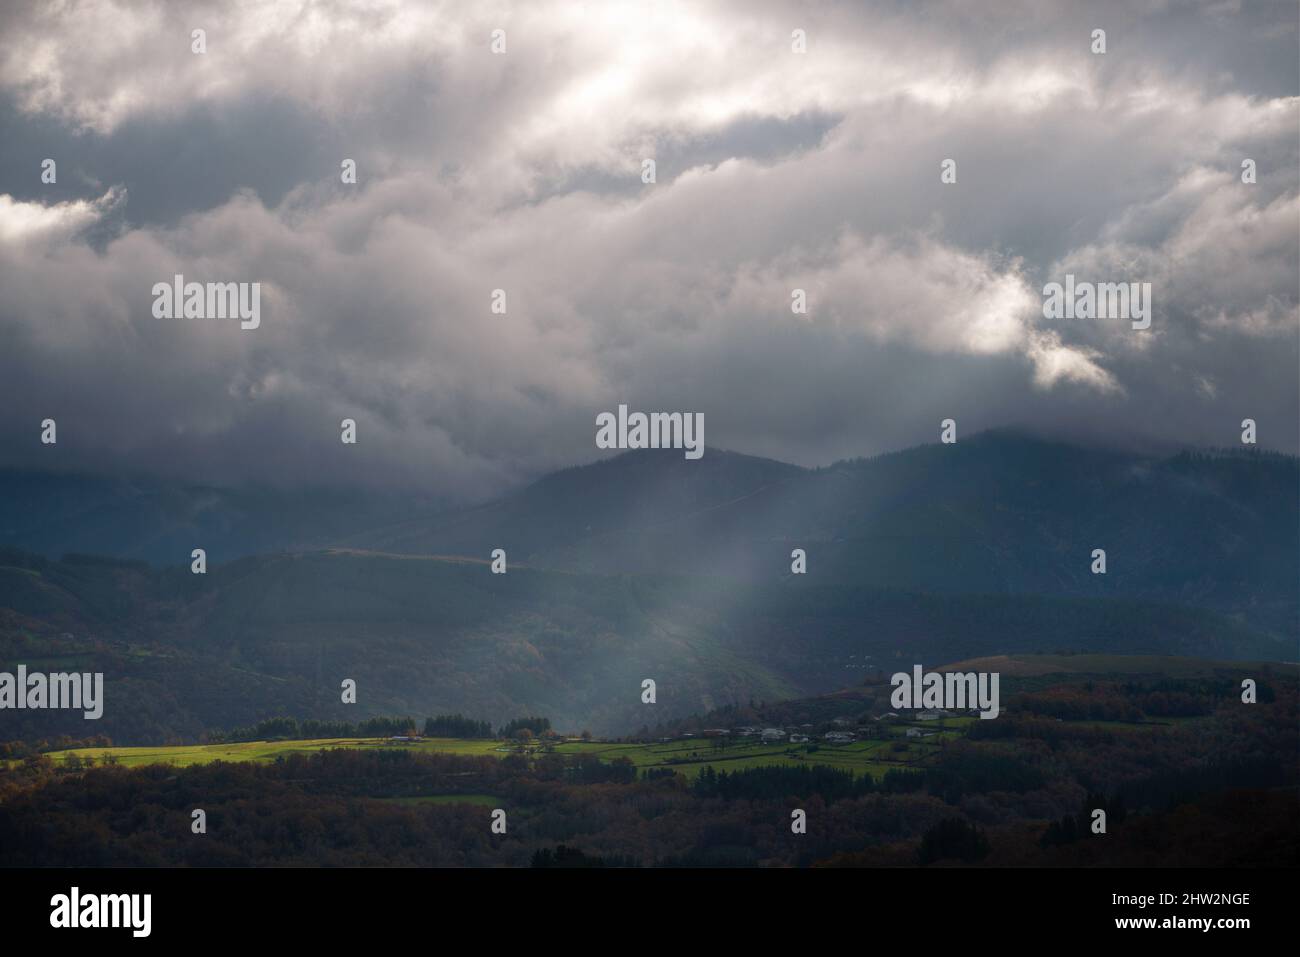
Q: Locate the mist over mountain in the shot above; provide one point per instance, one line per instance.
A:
(1001, 513)
(161, 521)
(645, 566)
(273, 635)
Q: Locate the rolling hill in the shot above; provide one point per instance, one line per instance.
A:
(644, 565)
(277, 634)
(999, 513)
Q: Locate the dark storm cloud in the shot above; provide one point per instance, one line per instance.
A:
(776, 171)
(171, 167)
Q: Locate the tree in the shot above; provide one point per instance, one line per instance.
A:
(953, 838)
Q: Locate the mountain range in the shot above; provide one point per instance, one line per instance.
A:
(640, 566)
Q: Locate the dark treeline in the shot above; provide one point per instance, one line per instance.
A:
(535, 726)
(1073, 827)
(953, 839)
(966, 770)
(777, 781)
(564, 856)
(1132, 701)
(456, 726)
(365, 808)
(957, 772)
(1170, 788)
(285, 729)
(11, 750)
(582, 768)
(439, 726)
(1051, 730)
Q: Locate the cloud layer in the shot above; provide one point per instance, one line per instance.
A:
(521, 171)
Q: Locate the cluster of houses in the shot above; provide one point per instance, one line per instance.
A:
(842, 732)
(767, 735)
(803, 734)
(794, 735)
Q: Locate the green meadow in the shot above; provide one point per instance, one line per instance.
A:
(187, 754)
(685, 756)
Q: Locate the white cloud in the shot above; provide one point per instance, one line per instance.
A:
(27, 222)
(521, 172)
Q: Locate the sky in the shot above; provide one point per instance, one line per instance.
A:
(521, 170)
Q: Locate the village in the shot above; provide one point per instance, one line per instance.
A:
(836, 731)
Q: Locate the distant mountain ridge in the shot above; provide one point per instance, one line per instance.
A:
(160, 521)
(996, 513)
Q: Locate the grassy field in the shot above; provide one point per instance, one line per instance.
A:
(687, 757)
(184, 755)
(690, 757)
